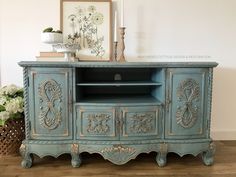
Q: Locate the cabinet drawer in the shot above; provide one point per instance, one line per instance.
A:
(96, 123)
(141, 122)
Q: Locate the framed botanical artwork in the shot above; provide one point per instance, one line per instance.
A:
(88, 23)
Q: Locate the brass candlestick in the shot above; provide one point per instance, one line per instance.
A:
(122, 44)
(115, 50)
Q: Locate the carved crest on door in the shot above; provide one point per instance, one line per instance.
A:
(50, 98)
(188, 92)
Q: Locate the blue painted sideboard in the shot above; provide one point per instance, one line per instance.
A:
(118, 110)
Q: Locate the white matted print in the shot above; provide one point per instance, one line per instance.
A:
(88, 23)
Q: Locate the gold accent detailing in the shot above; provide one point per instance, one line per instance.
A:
(212, 146)
(163, 148)
(97, 123)
(187, 92)
(141, 123)
(74, 148)
(22, 148)
(49, 98)
(65, 133)
(200, 131)
(118, 148)
(170, 133)
(35, 135)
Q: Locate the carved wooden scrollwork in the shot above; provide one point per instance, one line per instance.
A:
(119, 149)
(118, 154)
(187, 113)
(141, 123)
(97, 123)
(50, 97)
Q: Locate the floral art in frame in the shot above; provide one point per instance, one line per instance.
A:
(88, 23)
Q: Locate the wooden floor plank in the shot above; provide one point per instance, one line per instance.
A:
(143, 166)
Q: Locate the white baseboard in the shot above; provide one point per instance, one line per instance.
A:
(223, 135)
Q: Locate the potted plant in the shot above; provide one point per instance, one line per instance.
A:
(11, 119)
(51, 36)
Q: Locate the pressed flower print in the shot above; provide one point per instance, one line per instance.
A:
(88, 24)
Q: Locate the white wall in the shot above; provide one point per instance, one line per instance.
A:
(156, 30)
(21, 24)
(0, 38)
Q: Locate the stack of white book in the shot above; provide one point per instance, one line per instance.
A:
(50, 56)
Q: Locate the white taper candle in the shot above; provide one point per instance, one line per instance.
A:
(115, 27)
(122, 13)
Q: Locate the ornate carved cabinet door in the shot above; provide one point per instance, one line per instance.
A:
(186, 103)
(50, 99)
(140, 122)
(96, 122)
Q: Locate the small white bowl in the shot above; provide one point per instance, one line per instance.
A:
(66, 48)
(51, 38)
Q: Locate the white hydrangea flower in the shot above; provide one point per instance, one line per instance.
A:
(3, 100)
(15, 105)
(4, 115)
(2, 91)
(11, 89)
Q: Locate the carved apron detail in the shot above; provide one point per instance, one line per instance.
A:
(141, 123)
(50, 107)
(118, 154)
(187, 113)
(97, 123)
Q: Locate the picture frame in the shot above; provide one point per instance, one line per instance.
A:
(88, 23)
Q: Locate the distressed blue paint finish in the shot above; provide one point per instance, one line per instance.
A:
(119, 65)
(96, 123)
(117, 110)
(49, 103)
(191, 105)
(140, 122)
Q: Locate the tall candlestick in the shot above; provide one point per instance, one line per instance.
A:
(115, 51)
(122, 13)
(115, 27)
(122, 44)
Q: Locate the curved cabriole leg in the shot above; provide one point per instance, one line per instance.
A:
(208, 156)
(76, 159)
(27, 159)
(161, 156)
(161, 159)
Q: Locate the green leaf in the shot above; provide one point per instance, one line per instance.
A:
(20, 93)
(2, 108)
(2, 122)
(16, 115)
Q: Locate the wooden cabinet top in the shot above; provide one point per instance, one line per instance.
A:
(118, 65)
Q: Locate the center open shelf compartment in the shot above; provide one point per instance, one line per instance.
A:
(120, 85)
(119, 99)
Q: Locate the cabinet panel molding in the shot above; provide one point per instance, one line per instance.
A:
(49, 98)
